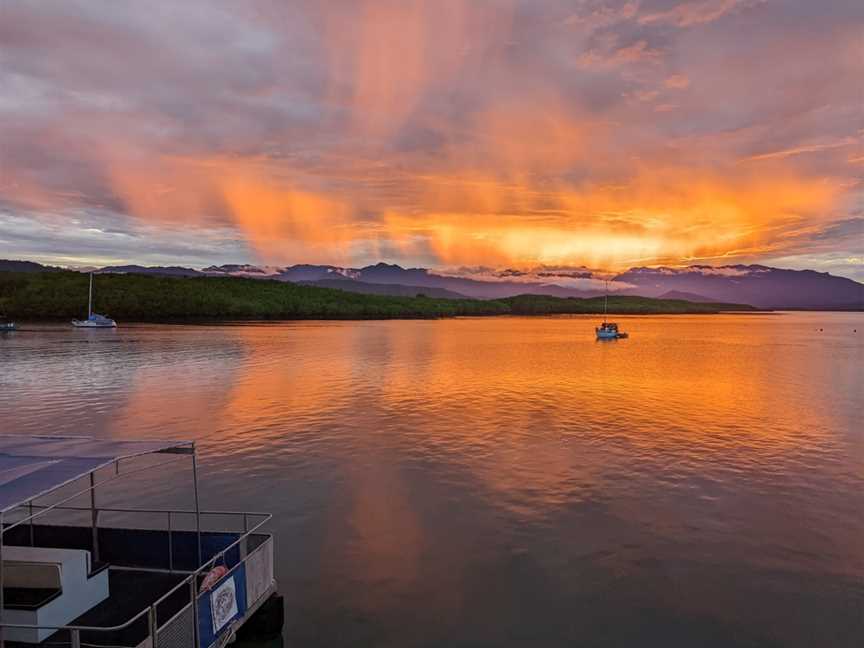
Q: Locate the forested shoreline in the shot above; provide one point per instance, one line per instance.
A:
(128, 297)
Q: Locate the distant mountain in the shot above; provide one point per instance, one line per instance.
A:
(305, 272)
(394, 290)
(383, 273)
(24, 266)
(237, 269)
(171, 271)
(691, 297)
(758, 285)
(399, 278)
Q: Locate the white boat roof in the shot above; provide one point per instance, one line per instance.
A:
(32, 466)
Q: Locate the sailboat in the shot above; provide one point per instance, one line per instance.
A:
(94, 320)
(608, 330)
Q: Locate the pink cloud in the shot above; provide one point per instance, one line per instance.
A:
(697, 12)
(677, 81)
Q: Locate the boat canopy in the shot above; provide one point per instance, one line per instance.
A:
(33, 466)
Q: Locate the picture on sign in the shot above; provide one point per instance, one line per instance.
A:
(223, 603)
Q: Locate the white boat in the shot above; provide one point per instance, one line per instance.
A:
(608, 330)
(94, 320)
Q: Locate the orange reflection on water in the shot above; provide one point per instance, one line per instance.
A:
(529, 415)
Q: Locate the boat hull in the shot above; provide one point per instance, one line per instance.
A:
(88, 324)
(606, 335)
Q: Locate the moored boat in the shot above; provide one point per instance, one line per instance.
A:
(94, 320)
(6, 324)
(608, 330)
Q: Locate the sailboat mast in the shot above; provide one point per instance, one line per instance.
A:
(90, 298)
(606, 302)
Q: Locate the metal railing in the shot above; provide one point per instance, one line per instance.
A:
(190, 581)
(171, 517)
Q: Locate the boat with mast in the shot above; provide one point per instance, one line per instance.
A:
(94, 320)
(608, 330)
(76, 573)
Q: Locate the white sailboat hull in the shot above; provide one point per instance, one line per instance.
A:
(91, 324)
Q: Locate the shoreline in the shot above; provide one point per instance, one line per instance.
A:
(62, 296)
(56, 324)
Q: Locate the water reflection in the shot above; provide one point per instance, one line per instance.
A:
(503, 481)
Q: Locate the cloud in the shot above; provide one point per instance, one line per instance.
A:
(91, 237)
(509, 134)
(697, 12)
(805, 148)
(611, 57)
(677, 81)
(579, 278)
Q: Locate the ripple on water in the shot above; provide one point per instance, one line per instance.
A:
(505, 481)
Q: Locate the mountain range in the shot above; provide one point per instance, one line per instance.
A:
(757, 285)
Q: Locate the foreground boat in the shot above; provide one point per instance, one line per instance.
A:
(6, 325)
(94, 320)
(192, 580)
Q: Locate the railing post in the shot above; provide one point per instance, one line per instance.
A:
(244, 545)
(2, 602)
(94, 518)
(197, 505)
(30, 505)
(170, 544)
(76, 637)
(151, 620)
(193, 590)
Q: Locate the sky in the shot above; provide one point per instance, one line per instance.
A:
(435, 133)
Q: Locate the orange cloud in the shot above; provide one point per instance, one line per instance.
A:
(279, 218)
(434, 133)
(660, 215)
(500, 195)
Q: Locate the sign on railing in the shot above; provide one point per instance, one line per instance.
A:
(235, 593)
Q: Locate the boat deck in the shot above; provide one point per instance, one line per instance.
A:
(131, 577)
(131, 591)
(145, 566)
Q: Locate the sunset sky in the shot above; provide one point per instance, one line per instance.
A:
(438, 133)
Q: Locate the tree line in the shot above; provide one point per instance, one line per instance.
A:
(62, 295)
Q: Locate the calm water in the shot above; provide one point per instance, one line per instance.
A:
(509, 481)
